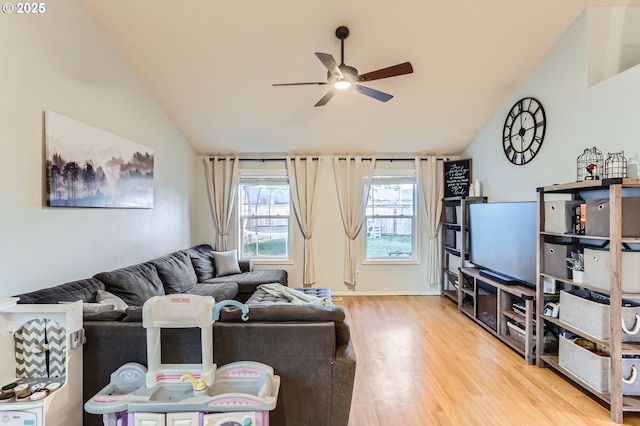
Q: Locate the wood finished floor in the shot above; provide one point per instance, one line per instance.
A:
(421, 362)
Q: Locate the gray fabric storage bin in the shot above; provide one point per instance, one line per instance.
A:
(597, 269)
(450, 238)
(459, 240)
(459, 215)
(593, 318)
(453, 262)
(597, 217)
(554, 259)
(558, 216)
(450, 214)
(594, 370)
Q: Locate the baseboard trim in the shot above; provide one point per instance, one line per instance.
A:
(384, 293)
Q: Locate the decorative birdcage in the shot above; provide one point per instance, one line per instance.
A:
(590, 164)
(615, 166)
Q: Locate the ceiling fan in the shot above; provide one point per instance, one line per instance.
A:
(343, 77)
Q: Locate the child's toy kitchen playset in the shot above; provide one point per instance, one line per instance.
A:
(237, 394)
(40, 364)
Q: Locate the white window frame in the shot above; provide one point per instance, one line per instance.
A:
(251, 177)
(395, 176)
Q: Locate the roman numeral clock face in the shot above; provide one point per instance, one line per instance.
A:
(524, 131)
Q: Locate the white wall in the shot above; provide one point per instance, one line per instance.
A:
(61, 61)
(329, 244)
(604, 115)
(613, 41)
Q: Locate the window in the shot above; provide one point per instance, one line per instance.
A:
(391, 224)
(264, 216)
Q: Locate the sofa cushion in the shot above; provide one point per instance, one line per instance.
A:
(133, 284)
(222, 291)
(85, 290)
(106, 298)
(176, 272)
(202, 261)
(287, 312)
(226, 262)
(115, 315)
(133, 314)
(249, 281)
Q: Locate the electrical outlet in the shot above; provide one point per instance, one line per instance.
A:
(357, 273)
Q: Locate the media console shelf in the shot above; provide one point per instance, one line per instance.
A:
(490, 303)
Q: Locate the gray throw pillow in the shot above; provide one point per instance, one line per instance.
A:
(106, 298)
(226, 262)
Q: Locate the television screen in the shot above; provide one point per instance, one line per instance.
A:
(503, 239)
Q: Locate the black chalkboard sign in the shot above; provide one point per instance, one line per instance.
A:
(457, 178)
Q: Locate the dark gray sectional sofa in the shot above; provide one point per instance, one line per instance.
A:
(308, 346)
(185, 271)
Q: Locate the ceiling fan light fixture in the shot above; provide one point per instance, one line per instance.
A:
(342, 84)
(344, 77)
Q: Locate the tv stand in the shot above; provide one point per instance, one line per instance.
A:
(488, 300)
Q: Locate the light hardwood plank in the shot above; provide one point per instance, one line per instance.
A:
(421, 362)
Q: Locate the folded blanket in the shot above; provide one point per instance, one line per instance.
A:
(294, 296)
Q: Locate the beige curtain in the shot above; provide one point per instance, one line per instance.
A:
(303, 175)
(353, 181)
(221, 174)
(431, 190)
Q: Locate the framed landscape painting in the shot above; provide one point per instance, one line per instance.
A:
(89, 167)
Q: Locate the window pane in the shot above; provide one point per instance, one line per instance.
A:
(395, 200)
(389, 237)
(264, 218)
(390, 219)
(267, 200)
(265, 237)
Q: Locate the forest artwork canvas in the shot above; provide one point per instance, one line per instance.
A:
(90, 167)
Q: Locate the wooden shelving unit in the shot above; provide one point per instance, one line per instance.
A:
(455, 237)
(611, 189)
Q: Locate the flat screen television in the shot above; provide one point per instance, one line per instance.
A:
(503, 240)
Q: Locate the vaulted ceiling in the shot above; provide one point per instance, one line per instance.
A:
(211, 65)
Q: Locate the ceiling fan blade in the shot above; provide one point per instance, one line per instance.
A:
(315, 83)
(330, 63)
(326, 98)
(400, 69)
(375, 94)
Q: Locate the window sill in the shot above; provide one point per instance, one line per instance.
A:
(391, 261)
(272, 261)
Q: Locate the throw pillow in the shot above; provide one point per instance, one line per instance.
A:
(226, 262)
(106, 298)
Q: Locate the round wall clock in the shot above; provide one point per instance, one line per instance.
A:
(524, 131)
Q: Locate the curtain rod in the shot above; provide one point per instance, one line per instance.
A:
(261, 159)
(339, 158)
(395, 158)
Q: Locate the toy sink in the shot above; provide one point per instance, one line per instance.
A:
(172, 393)
(163, 388)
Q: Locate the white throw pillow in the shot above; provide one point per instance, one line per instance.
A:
(106, 298)
(226, 262)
